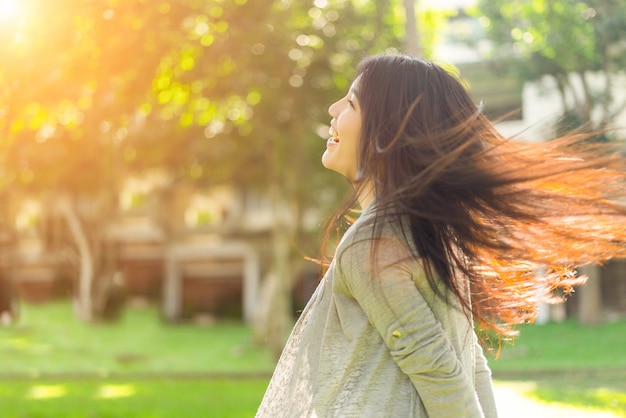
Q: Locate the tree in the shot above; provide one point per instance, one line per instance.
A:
(316, 56)
(73, 100)
(568, 40)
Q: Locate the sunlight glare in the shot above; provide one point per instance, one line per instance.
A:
(9, 9)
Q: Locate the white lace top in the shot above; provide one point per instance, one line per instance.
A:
(375, 341)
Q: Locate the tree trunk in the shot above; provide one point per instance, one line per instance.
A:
(607, 70)
(587, 103)
(274, 315)
(590, 298)
(411, 38)
(85, 257)
(560, 84)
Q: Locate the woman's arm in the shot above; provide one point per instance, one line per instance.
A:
(482, 382)
(384, 288)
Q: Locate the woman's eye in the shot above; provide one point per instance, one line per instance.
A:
(351, 103)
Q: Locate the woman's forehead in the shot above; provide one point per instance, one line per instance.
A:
(354, 87)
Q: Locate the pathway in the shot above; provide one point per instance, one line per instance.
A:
(511, 403)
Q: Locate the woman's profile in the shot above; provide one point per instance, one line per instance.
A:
(455, 222)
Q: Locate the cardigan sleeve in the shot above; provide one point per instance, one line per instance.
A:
(482, 382)
(384, 287)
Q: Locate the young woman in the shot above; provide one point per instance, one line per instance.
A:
(456, 221)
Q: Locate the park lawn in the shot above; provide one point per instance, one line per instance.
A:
(564, 346)
(50, 340)
(156, 398)
(568, 363)
(52, 365)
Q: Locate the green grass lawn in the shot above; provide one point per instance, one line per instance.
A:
(158, 398)
(564, 346)
(568, 363)
(52, 365)
(49, 339)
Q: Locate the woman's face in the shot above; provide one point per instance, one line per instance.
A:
(341, 153)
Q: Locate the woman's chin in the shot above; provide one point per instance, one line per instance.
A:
(326, 160)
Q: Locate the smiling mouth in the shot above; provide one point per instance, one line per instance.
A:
(334, 135)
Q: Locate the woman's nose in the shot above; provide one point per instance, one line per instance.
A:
(332, 108)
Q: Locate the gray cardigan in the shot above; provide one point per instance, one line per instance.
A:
(376, 341)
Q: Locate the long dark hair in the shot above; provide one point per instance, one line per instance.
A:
(476, 207)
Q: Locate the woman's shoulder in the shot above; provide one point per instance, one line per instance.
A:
(363, 230)
(373, 230)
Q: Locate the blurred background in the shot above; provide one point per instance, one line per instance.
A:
(161, 187)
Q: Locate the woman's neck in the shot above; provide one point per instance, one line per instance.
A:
(366, 195)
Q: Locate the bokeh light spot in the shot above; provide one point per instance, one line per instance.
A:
(115, 391)
(258, 49)
(253, 98)
(47, 391)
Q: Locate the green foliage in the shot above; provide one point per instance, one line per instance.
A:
(566, 39)
(554, 36)
(543, 29)
(208, 91)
